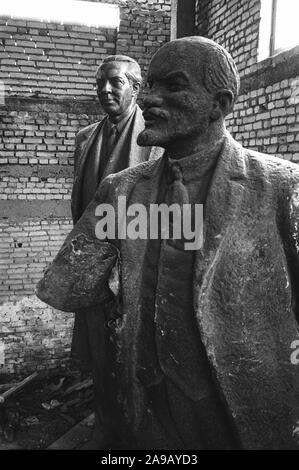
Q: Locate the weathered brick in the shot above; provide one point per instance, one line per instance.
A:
(61, 65)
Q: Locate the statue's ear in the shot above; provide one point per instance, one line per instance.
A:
(223, 104)
(136, 88)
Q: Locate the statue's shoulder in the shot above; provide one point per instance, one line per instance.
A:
(87, 131)
(272, 166)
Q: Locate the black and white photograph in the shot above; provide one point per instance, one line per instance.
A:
(149, 228)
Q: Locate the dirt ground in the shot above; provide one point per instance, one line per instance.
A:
(45, 409)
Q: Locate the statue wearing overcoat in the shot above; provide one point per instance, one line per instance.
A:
(245, 291)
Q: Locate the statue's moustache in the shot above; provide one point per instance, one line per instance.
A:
(153, 113)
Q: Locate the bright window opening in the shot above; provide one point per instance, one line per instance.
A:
(63, 11)
(279, 29)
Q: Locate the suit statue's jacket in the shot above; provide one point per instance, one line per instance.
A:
(245, 288)
(128, 139)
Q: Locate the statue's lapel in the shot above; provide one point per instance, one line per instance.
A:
(221, 210)
(82, 149)
(142, 192)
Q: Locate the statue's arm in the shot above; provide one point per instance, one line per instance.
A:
(289, 227)
(78, 276)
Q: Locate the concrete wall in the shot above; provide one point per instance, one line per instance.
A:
(48, 73)
(265, 116)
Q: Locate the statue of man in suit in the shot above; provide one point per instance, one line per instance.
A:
(103, 148)
(199, 346)
(110, 145)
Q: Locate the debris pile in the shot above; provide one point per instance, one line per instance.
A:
(38, 409)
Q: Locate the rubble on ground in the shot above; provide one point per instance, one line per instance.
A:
(44, 408)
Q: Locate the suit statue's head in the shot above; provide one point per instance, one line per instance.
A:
(193, 83)
(118, 80)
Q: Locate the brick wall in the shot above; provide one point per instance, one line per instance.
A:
(265, 117)
(48, 74)
(42, 59)
(34, 334)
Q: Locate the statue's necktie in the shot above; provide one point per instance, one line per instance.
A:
(112, 139)
(108, 148)
(177, 195)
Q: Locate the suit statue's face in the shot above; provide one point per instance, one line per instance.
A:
(177, 105)
(115, 91)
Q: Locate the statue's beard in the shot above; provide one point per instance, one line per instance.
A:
(159, 135)
(149, 137)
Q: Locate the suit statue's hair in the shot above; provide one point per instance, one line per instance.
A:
(133, 72)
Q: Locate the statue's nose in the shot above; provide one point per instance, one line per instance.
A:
(105, 87)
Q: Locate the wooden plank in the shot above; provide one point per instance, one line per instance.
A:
(79, 386)
(7, 386)
(17, 387)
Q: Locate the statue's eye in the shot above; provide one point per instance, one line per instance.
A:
(175, 86)
(116, 82)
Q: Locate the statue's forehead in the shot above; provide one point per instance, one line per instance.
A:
(167, 62)
(111, 69)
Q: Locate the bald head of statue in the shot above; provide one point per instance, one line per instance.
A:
(118, 80)
(193, 83)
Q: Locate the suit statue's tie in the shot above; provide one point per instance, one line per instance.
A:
(112, 139)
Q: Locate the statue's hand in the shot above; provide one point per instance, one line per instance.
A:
(78, 276)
